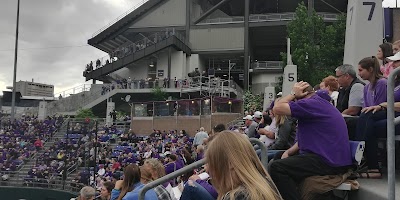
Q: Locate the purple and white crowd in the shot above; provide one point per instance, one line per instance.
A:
(22, 138)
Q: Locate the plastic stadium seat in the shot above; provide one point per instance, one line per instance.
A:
(357, 151)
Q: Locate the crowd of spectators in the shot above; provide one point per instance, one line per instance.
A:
(68, 153)
(22, 138)
(311, 128)
(309, 131)
(129, 83)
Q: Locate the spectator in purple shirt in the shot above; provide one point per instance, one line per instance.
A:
(171, 165)
(322, 146)
(375, 91)
(372, 125)
(196, 188)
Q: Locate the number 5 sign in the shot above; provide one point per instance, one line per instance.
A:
(364, 30)
(289, 79)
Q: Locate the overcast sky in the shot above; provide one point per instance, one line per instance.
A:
(391, 3)
(53, 38)
(65, 25)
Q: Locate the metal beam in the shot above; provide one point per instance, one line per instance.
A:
(125, 38)
(115, 43)
(154, 29)
(109, 45)
(188, 19)
(169, 65)
(118, 39)
(211, 10)
(105, 47)
(246, 44)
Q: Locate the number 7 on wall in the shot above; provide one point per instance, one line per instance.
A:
(371, 12)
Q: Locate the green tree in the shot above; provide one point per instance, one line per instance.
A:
(85, 113)
(252, 102)
(159, 94)
(317, 48)
(121, 115)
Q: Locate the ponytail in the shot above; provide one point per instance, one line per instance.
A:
(372, 63)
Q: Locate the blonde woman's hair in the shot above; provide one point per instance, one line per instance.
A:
(279, 119)
(235, 167)
(157, 166)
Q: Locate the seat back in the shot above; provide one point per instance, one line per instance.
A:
(357, 151)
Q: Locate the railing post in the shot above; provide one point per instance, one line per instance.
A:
(391, 135)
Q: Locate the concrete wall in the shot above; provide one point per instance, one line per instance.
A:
(198, 10)
(145, 125)
(139, 69)
(178, 64)
(217, 39)
(74, 102)
(262, 80)
(18, 193)
(170, 13)
(181, 65)
(396, 24)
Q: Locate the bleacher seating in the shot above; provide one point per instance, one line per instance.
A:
(22, 138)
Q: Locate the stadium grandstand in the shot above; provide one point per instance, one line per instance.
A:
(197, 141)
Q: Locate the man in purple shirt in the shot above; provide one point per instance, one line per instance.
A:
(322, 147)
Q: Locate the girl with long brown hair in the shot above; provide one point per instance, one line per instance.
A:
(375, 91)
(130, 186)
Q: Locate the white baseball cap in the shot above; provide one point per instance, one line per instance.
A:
(396, 57)
(258, 115)
(248, 117)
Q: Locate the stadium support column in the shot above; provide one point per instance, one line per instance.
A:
(188, 20)
(169, 67)
(310, 7)
(246, 44)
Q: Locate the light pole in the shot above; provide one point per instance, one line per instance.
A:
(15, 66)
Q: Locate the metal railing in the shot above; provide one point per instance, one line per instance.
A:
(391, 122)
(75, 90)
(235, 123)
(119, 17)
(267, 65)
(265, 17)
(153, 184)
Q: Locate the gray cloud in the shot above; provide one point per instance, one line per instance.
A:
(53, 23)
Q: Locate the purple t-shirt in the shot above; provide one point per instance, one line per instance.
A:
(397, 93)
(322, 130)
(377, 95)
